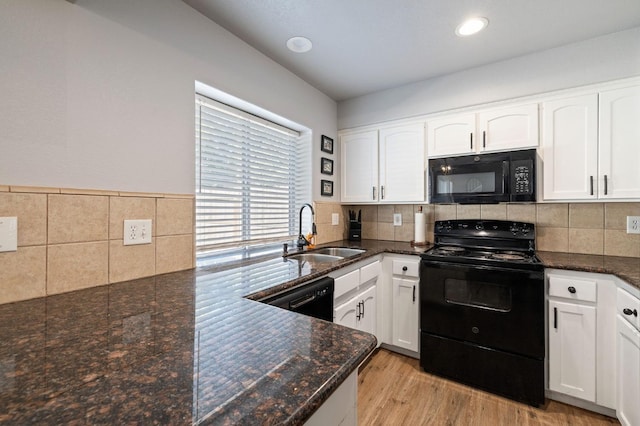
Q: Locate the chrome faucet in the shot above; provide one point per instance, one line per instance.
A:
(302, 241)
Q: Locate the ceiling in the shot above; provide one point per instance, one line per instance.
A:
(363, 46)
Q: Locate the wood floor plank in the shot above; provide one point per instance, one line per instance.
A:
(394, 390)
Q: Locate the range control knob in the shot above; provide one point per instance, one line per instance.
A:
(479, 226)
(514, 229)
(525, 230)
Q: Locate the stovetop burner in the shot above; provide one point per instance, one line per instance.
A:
(492, 243)
(509, 255)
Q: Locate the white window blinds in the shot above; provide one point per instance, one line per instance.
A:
(251, 176)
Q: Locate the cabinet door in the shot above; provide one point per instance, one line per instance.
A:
(508, 128)
(402, 163)
(405, 313)
(620, 143)
(359, 167)
(570, 148)
(346, 313)
(628, 348)
(368, 311)
(572, 349)
(451, 135)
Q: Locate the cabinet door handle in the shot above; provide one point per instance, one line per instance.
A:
(374, 193)
(405, 269)
(572, 290)
(414, 293)
(382, 192)
(362, 311)
(628, 311)
(605, 185)
(591, 183)
(555, 318)
(358, 316)
(471, 140)
(484, 138)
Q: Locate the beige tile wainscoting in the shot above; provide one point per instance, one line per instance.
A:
(586, 228)
(70, 239)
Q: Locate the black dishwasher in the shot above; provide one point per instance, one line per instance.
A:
(314, 299)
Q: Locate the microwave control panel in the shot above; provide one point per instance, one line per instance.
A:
(522, 177)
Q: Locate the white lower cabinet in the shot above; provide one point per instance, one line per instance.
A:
(572, 349)
(628, 349)
(581, 333)
(405, 306)
(355, 297)
(358, 312)
(405, 313)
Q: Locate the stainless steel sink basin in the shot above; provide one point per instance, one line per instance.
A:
(315, 257)
(340, 251)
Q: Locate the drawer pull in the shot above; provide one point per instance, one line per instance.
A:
(628, 311)
(405, 269)
(572, 290)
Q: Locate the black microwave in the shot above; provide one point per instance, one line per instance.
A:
(484, 178)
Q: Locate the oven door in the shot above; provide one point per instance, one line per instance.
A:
(499, 308)
(469, 179)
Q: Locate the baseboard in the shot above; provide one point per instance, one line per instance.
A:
(581, 403)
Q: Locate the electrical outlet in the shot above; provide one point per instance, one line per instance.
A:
(8, 233)
(397, 219)
(335, 219)
(633, 224)
(137, 232)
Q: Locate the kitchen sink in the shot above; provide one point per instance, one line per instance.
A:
(315, 257)
(339, 251)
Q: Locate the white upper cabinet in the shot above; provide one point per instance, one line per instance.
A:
(508, 128)
(402, 163)
(359, 167)
(591, 146)
(503, 129)
(619, 142)
(570, 148)
(385, 165)
(451, 135)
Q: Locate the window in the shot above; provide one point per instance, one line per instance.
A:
(251, 177)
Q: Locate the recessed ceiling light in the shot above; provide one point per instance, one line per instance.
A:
(299, 44)
(471, 26)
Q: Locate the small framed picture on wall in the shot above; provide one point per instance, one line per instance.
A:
(326, 188)
(326, 166)
(326, 144)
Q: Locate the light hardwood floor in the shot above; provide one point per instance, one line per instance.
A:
(394, 390)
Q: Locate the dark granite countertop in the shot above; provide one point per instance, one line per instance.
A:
(179, 349)
(625, 268)
(190, 347)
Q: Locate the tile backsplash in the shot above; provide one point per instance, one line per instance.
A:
(70, 239)
(586, 228)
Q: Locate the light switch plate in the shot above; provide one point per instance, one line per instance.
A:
(137, 232)
(335, 219)
(8, 233)
(397, 219)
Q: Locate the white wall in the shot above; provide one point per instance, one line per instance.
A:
(596, 60)
(100, 94)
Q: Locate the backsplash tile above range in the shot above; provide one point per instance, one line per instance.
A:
(585, 228)
(72, 239)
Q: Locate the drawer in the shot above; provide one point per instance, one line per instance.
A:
(346, 283)
(406, 268)
(370, 272)
(572, 288)
(628, 307)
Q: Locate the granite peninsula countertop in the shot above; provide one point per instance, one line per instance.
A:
(191, 348)
(181, 348)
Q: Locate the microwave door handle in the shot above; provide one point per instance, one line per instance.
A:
(505, 177)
